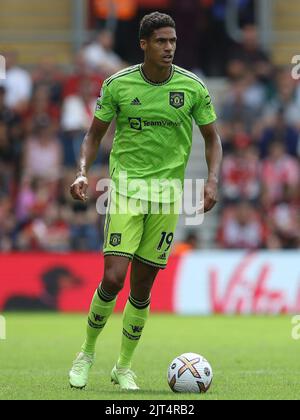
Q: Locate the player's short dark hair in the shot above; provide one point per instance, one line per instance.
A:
(154, 21)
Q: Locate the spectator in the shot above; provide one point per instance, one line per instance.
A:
(81, 71)
(252, 55)
(85, 231)
(57, 238)
(77, 114)
(26, 199)
(273, 242)
(50, 233)
(189, 244)
(6, 161)
(244, 101)
(100, 55)
(14, 126)
(119, 17)
(7, 224)
(9, 117)
(285, 100)
(42, 153)
(48, 74)
(241, 174)
(41, 108)
(241, 228)
(280, 175)
(18, 84)
(32, 227)
(282, 132)
(284, 221)
(6, 151)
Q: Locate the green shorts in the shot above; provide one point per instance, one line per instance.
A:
(140, 229)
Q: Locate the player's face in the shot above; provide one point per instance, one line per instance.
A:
(161, 46)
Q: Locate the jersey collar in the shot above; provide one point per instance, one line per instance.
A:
(156, 84)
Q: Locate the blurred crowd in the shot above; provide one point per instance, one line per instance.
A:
(45, 112)
(206, 42)
(44, 115)
(260, 129)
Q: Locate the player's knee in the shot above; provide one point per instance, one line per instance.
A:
(113, 280)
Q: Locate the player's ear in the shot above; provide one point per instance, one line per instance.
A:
(143, 44)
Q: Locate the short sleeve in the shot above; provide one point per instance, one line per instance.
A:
(106, 106)
(203, 111)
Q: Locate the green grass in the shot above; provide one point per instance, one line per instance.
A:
(252, 357)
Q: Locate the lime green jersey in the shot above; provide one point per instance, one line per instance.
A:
(154, 125)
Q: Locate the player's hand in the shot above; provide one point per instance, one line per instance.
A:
(210, 195)
(79, 188)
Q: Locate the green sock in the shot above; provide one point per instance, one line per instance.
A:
(135, 317)
(101, 309)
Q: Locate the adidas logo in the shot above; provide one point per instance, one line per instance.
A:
(136, 101)
(162, 256)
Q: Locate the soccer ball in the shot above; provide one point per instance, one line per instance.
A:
(190, 373)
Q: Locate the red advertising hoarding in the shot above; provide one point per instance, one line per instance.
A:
(68, 282)
(200, 283)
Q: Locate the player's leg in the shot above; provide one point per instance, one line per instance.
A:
(152, 255)
(135, 317)
(122, 237)
(104, 300)
(137, 309)
(101, 308)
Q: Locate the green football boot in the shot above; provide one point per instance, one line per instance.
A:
(125, 378)
(79, 373)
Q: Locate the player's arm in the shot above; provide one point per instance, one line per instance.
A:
(214, 155)
(88, 155)
(104, 114)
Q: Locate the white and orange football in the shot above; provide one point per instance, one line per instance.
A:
(190, 373)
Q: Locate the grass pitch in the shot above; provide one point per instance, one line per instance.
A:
(252, 357)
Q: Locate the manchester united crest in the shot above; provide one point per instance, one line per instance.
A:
(115, 239)
(177, 99)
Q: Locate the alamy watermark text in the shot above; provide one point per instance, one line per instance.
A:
(2, 68)
(296, 68)
(296, 327)
(2, 328)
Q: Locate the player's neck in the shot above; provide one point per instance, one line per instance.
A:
(156, 74)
